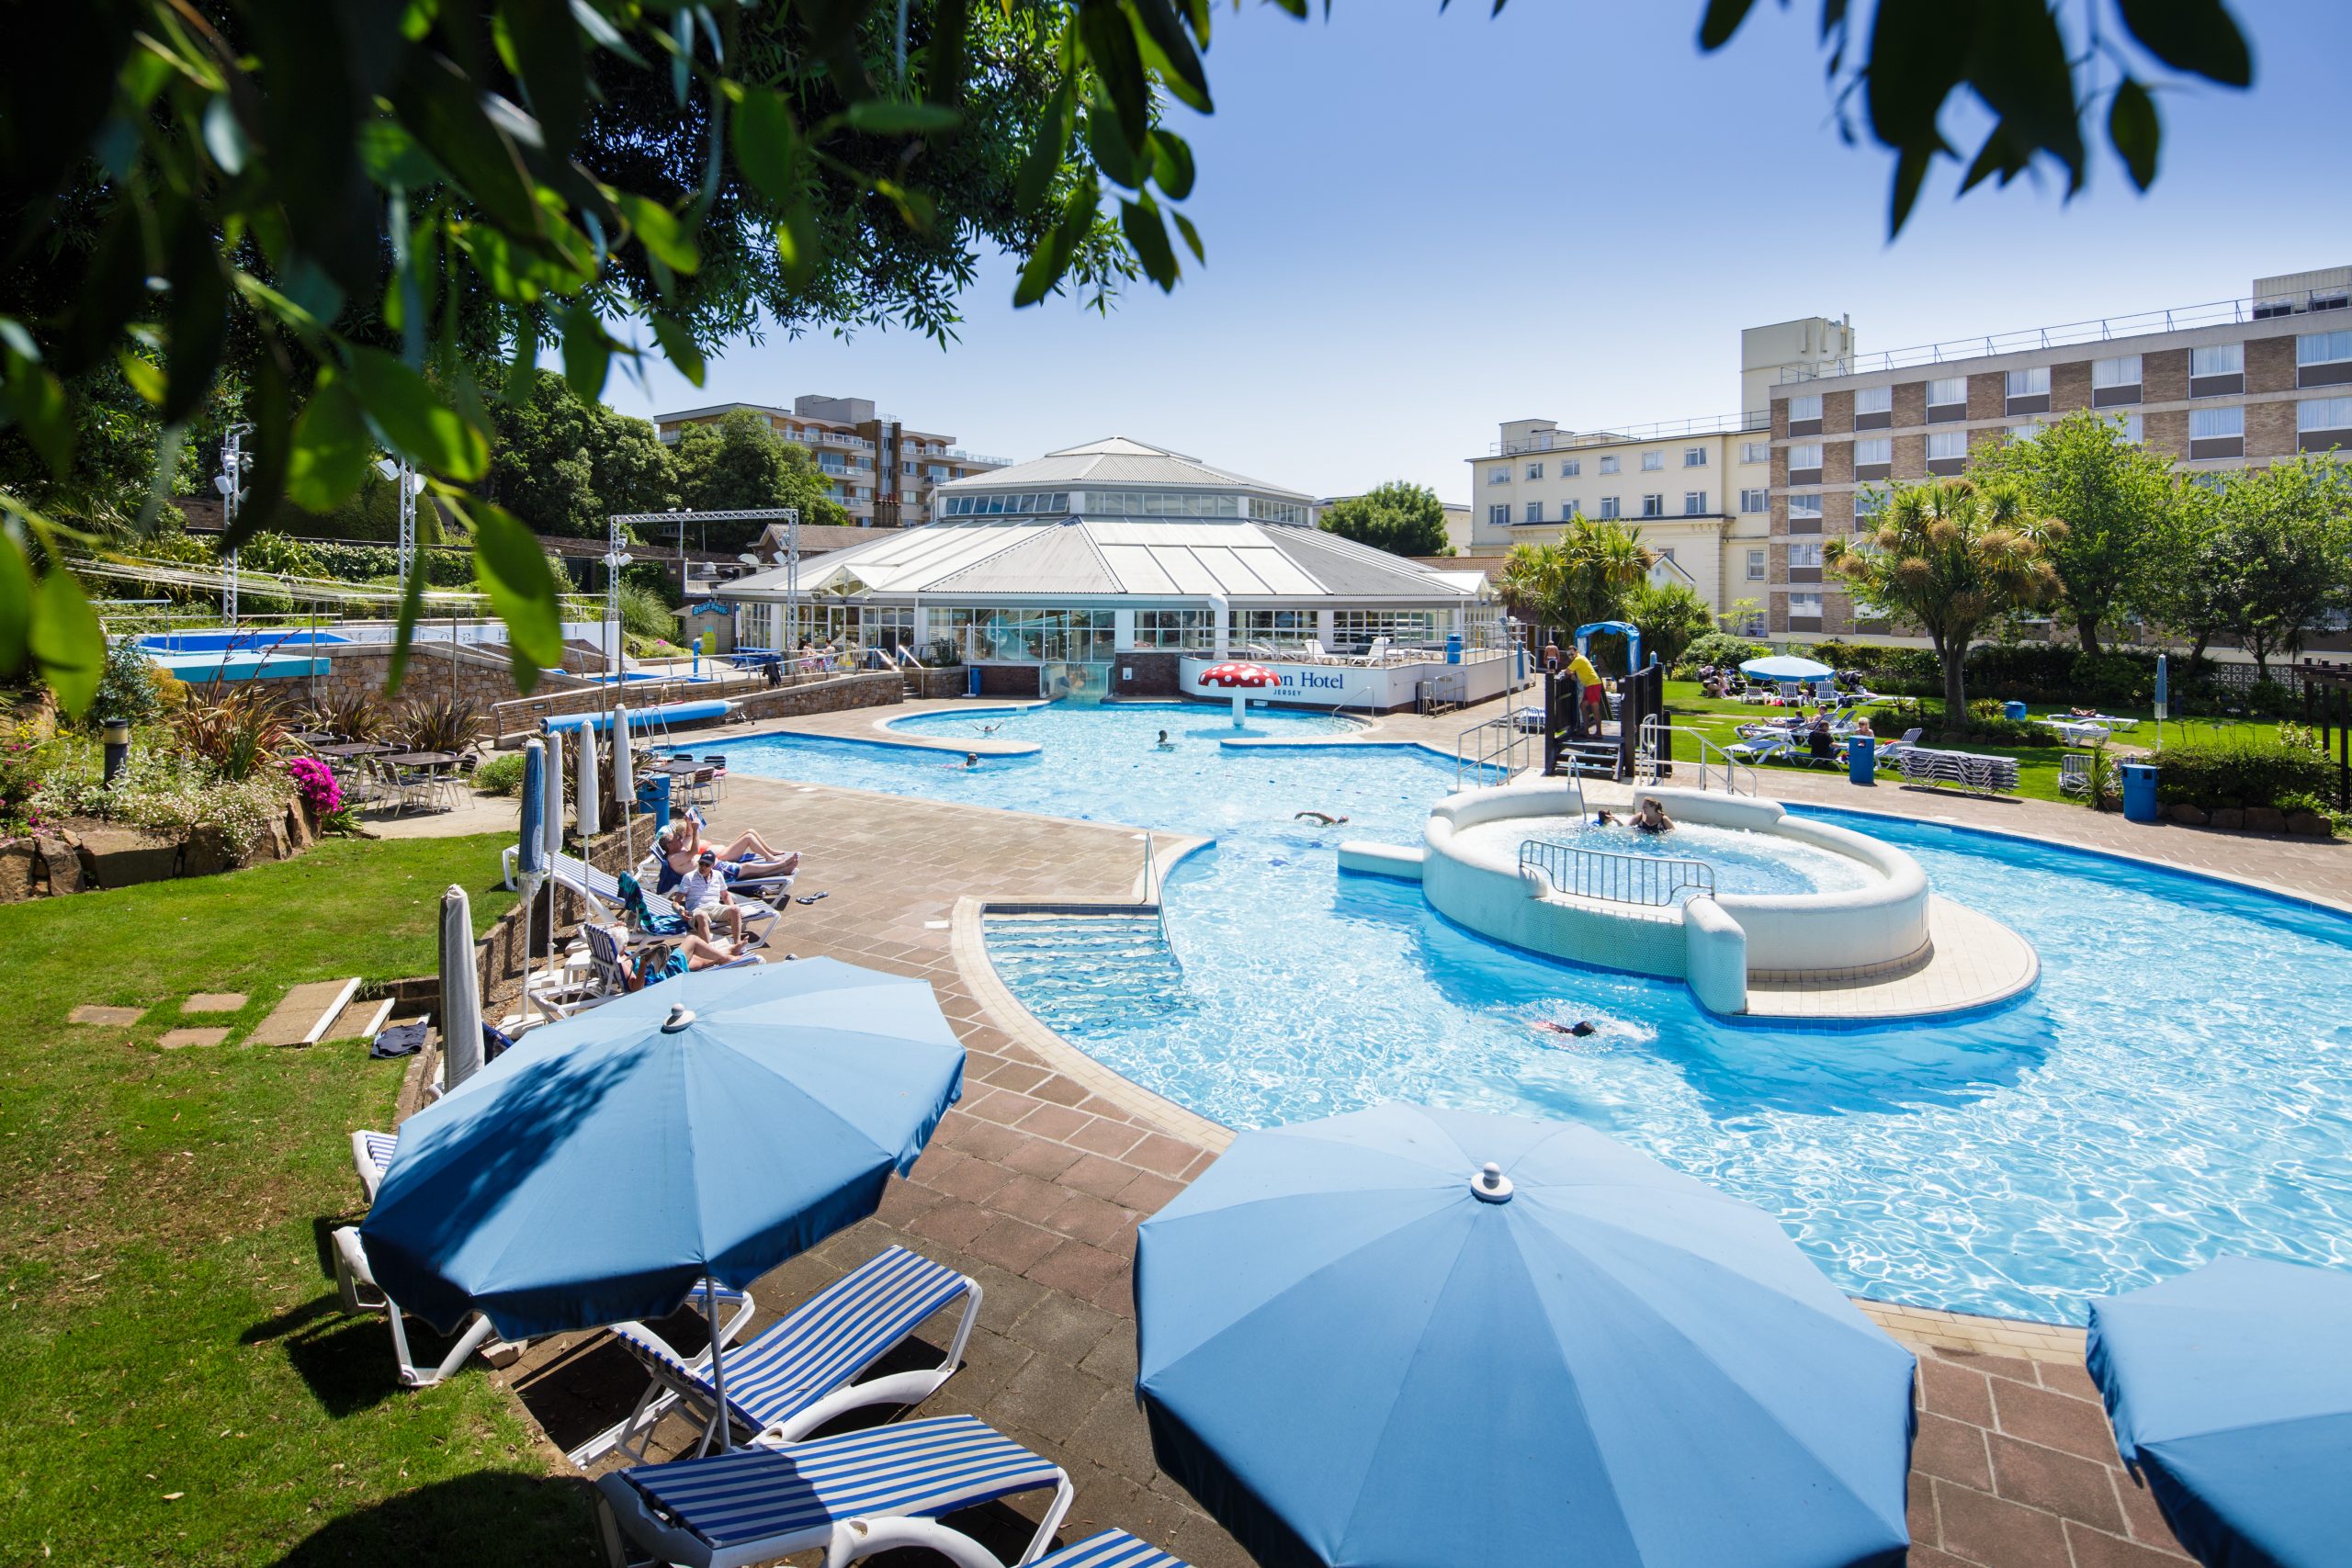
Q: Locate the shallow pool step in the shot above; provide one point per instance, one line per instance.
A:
(1069, 969)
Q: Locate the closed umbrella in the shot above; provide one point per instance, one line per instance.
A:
(2231, 1393)
(713, 1125)
(1410, 1336)
(1787, 667)
(552, 820)
(623, 771)
(584, 804)
(531, 851)
(460, 991)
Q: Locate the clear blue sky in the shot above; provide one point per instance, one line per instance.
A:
(1421, 225)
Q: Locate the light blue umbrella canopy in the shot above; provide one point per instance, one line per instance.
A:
(1787, 667)
(1350, 1357)
(600, 1169)
(2231, 1391)
(531, 853)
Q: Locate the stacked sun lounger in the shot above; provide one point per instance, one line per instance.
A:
(1969, 770)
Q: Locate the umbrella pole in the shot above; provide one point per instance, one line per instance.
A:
(719, 1423)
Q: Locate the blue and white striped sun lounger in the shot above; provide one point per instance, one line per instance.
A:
(856, 1540)
(603, 889)
(371, 1156)
(794, 1375)
(759, 1504)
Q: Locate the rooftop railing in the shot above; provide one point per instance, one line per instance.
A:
(1572, 440)
(2180, 318)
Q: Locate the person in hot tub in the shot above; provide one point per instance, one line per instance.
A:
(1650, 817)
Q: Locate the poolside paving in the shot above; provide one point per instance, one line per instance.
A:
(1035, 1182)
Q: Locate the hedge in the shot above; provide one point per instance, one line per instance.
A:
(2239, 771)
(2057, 673)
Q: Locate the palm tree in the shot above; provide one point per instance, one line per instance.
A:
(1949, 556)
(1585, 576)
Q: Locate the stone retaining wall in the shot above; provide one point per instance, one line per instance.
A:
(866, 689)
(87, 854)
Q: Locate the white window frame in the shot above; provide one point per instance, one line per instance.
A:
(2323, 349)
(1534, 470)
(1654, 504)
(1498, 514)
(2322, 413)
(1806, 604)
(1806, 505)
(1805, 455)
(1960, 401)
(2124, 370)
(1570, 468)
(2132, 431)
(1804, 552)
(1756, 566)
(1805, 405)
(1953, 442)
(1653, 462)
(1756, 451)
(1532, 512)
(1754, 500)
(1874, 449)
(1609, 464)
(2217, 359)
(1694, 503)
(1609, 507)
(1694, 457)
(2229, 415)
(2032, 382)
(1873, 399)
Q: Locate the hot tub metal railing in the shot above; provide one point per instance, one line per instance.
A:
(1614, 879)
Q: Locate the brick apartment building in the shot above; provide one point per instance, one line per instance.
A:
(881, 471)
(2216, 387)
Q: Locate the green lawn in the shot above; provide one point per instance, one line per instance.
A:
(176, 1378)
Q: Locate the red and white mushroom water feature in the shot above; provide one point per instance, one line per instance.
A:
(1242, 678)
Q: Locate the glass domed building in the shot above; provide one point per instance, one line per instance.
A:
(1118, 568)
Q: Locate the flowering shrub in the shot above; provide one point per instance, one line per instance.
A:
(170, 793)
(23, 761)
(317, 783)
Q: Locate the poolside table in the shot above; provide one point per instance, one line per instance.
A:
(422, 759)
(357, 748)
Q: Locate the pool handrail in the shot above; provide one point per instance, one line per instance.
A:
(1646, 761)
(1611, 876)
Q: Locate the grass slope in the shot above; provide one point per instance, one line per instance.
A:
(176, 1377)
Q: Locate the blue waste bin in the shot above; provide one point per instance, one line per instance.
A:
(972, 685)
(653, 798)
(2013, 710)
(1862, 759)
(1453, 647)
(2139, 792)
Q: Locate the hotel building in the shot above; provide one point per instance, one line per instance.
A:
(2213, 387)
(881, 471)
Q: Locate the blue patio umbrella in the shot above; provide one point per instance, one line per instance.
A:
(1787, 667)
(531, 852)
(1407, 1338)
(714, 1124)
(2230, 1392)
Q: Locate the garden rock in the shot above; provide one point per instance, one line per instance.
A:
(2265, 819)
(2229, 817)
(208, 852)
(62, 860)
(2311, 824)
(299, 834)
(123, 857)
(2193, 816)
(17, 859)
(270, 843)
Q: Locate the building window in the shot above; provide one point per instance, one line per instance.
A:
(1804, 552)
(1873, 408)
(2322, 424)
(1609, 506)
(1755, 501)
(1534, 470)
(2025, 431)
(1756, 566)
(2115, 380)
(2218, 371)
(1653, 506)
(1947, 399)
(1694, 503)
(1176, 628)
(2131, 423)
(2324, 359)
(1805, 464)
(1804, 506)
(1873, 452)
(1570, 468)
(1756, 451)
(1499, 515)
(1805, 607)
(1869, 504)
(1694, 457)
(1534, 511)
(1498, 476)
(1609, 464)
(2217, 433)
(1947, 451)
(1804, 414)
(2028, 391)
(1355, 629)
(1261, 507)
(1571, 508)
(1667, 554)
(1653, 461)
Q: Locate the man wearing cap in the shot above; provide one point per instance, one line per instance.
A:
(701, 896)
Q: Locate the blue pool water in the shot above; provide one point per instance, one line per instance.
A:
(2179, 1084)
(228, 641)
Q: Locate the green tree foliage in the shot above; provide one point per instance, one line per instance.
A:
(1589, 574)
(1672, 617)
(354, 210)
(2115, 500)
(2282, 552)
(739, 463)
(564, 464)
(1401, 517)
(1950, 556)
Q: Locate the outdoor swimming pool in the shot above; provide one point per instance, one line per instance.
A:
(1743, 861)
(2178, 1086)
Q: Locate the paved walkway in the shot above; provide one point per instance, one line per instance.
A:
(1035, 1185)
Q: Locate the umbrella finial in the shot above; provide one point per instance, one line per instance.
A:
(680, 1016)
(1491, 1185)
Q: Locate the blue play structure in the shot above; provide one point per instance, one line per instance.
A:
(1626, 629)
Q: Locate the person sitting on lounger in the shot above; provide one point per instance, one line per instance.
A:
(1651, 818)
(702, 897)
(1820, 744)
(686, 954)
(748, 856)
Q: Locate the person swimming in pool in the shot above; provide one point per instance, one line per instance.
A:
(1580, 1028)
(971, 761)
(1651, 816)
(1321, 819)
(1164, 744)
(1604, 817)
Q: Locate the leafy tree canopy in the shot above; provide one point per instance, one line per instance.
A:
(2114, 499)
(1672, 617)
(740, 463)
(1401, 517)
(1589, 574)
(2281, 552)
(563, 465)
